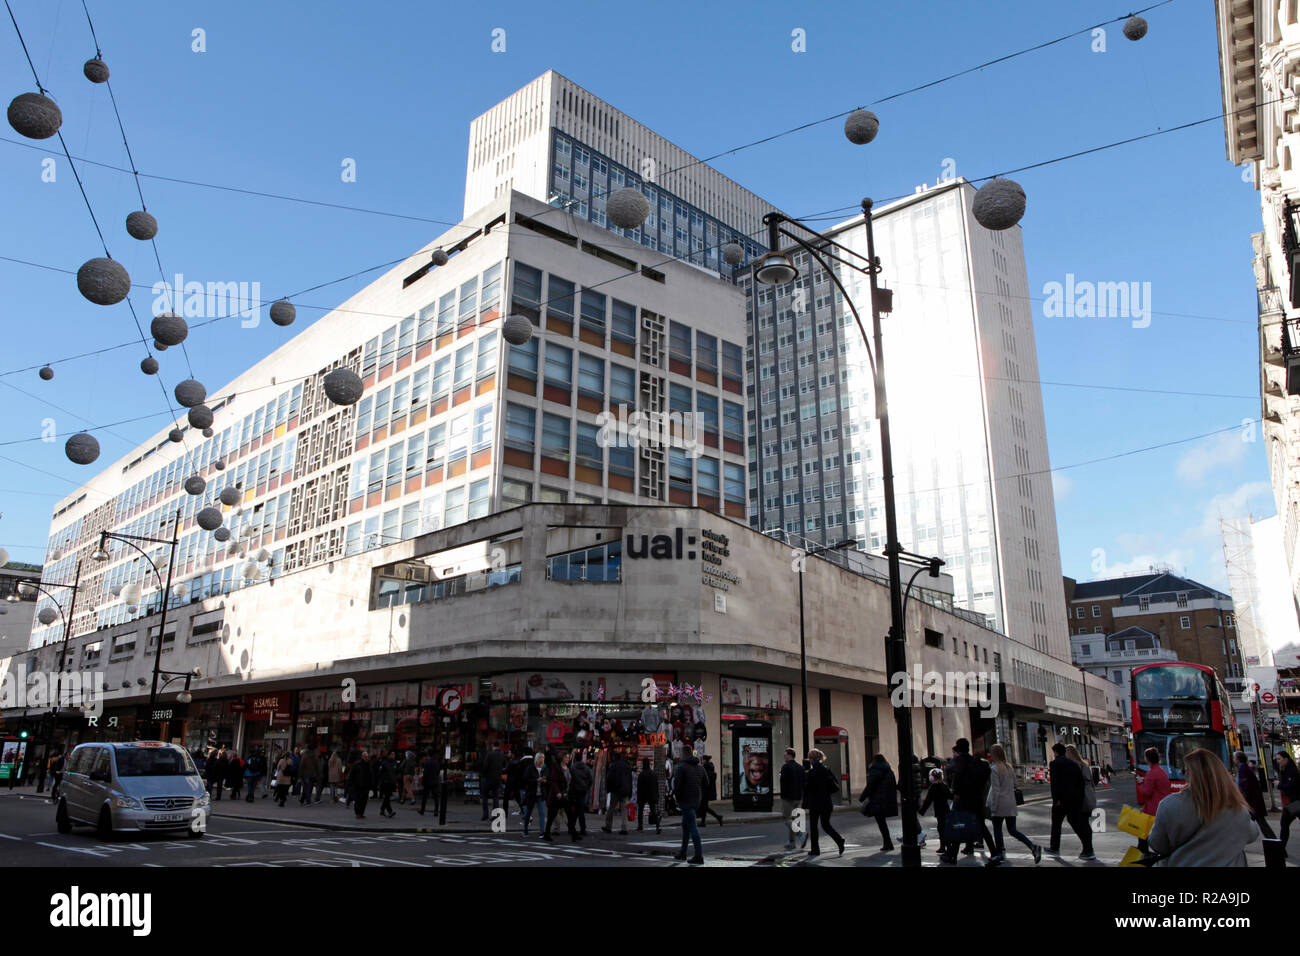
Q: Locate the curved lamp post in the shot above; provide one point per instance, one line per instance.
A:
(63, 652)
(101, 554)
(777, 268)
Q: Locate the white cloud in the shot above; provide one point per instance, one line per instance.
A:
(1217, 451)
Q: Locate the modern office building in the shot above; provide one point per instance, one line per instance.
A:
(453, 425)
(970, 445)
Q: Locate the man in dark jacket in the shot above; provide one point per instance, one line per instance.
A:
(1067, 803)
(581, 780)
(256, 771)
(710, 792)
(618, 784)
(489, 783)
(791, 782)
(647, 796)
(308, 771)
(970, 780)
(429, 771)
(217, 769)
(1248, 784)
(688, 785)
(361, 779)
(819, 784)
(880, 797)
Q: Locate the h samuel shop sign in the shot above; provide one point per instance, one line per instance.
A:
(714, 552)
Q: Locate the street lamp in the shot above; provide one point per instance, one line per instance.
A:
(30, 586)
(803, 652)
(130, 539)
(774, 267)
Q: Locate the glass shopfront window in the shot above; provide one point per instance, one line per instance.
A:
(751, 700)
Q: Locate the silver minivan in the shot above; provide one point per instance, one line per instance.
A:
(142, 785)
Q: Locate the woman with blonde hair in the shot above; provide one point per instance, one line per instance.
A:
(1002, 806)
(1206, 824)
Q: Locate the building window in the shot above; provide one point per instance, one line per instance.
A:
(1096, 610)
(559, 366)
(528, 291)
(591, 376)
(622, 385)
(679, 342)
(559, 301)
(707, 469)
(679, 469)
(555, 436)
(464, 366)
(523, 362)
(481, 437)
(520, 427)
(1185, 623)
(480, 498)
(487, 356)
(588, 448)
(601, 564)
(1085, 650)
(622, 321)
(593, 311)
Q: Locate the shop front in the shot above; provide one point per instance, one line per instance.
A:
(742, 702)
(210, 723)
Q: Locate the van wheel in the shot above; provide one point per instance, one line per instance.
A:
(105, 826)
(61, 820)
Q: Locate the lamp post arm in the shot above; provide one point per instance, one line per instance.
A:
(126, 539)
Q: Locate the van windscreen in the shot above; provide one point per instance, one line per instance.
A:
(142, 762)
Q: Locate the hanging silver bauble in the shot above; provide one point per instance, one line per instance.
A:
(168, 329)
(262, 555)
(149, 366)
(103, 281)
(175, 435)
(999, 204)
(861, 127)
(222, 533)
(439, 258)
(4, 557)
(207, 432)
(200, 417)
(219, 464)
(35, 115)
(46, 373)
(343, 386)
(229, 496)
(1135, 28)
(132, 592)
(82, 448)
(190, 393)
(96, 70)
(47, 615)
(195, 485)
(733, 253)
(209, 519)
(141, 225)
(283, 312)
(627, 208)
(516, 329)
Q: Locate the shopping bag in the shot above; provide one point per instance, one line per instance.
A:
(1131, 857)
(962, 826)
(631, 811)
(1134, 822)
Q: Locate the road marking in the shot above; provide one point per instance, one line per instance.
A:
(706, 841)
(71, 849)
(8, 837)
(363, 856)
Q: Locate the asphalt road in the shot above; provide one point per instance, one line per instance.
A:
(28, 838)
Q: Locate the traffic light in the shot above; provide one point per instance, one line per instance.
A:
(22, 734)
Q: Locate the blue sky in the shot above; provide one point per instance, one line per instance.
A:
(280, 99)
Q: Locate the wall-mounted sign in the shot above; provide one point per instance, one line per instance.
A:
(161, 712)
(272, 707)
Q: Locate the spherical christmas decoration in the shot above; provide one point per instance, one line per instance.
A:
(209, 519)
(219, 464)
(175, 435)
(250, 571)
(35, 115)
(195, 485)
(46, 373)
(131, 593)
(1135, 28)
(627, 208)
(229, 496)
(733, 253)
(999, 204)
(149, 366)
(103, 281)
(283, 312)
(516, 329)
(115, 590)
(96, 70)
(207, 432)
(222, 534)
(439, 257)
(861, 127)
(262, 555)
(82, 449)
(190, 393)
(47, 615)
(168, 329)
(141, 225)
(343, 386)
(247, 531)
(200, 417)
(181, 591)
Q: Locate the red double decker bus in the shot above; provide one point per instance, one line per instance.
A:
(1178, 708)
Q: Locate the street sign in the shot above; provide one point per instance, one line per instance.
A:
(449, 700)
(1267, 698)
